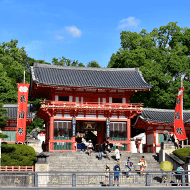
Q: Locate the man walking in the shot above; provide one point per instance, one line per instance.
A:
(100, 149)
(128, 165)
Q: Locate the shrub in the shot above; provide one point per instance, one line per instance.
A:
(17, 155)
(182, 153)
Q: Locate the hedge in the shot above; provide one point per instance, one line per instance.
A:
(182, 153)
(17, 155)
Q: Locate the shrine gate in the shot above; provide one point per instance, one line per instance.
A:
(88, 102)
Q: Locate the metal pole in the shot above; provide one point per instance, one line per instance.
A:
(36, 180)
(74, 180)
(147, 179)
(111, 179)
(24, 77)
(183, 179)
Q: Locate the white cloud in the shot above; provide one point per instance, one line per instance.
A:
(130, 22)
(74, 31)
(59, 37)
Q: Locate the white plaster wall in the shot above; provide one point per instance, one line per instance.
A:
(70, 98)
(41, 138)
(67, 115)
(80, 116)
(143, 142)
(158, 149)
(157, 135)
(90, 116)
(58, 115)
(101, 117)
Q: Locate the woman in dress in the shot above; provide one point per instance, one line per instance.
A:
(117, 153)
(143, 164)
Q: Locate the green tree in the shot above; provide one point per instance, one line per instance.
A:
(3, 119)
(163, 57)
(7, 90)
(36, 123)
(66, 62)
(93, 64)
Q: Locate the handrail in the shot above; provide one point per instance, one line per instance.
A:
(91, 105)
(16, 168)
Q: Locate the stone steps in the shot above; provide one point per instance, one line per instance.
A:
(76, 161)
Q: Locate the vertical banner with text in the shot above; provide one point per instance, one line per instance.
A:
(108, 127)
(74, 126)
(22, 111)
(179, 128)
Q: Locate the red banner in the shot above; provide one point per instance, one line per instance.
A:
(179, 128)
(22, 112)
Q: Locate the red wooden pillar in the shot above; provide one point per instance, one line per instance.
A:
(146, 142)
(73, 144)
(154, 144)
(51, 127)
(74, 123)
(128, 134)
(100, 134)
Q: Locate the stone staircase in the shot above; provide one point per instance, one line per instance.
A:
(76, 161)
(81, 162)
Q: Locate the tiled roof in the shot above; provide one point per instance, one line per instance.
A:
(122, 78)
(162, 115)
(12, 111)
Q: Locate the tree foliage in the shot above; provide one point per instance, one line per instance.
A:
(93, 64)
(3, 119)
(36, 123)
(17, 155)
(163, 57)
(66, 62)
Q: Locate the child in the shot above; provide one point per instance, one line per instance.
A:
(90, 146)
(107, 173)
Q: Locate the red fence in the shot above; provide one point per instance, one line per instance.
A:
(16, 168)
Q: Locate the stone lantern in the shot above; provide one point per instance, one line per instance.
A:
(42, 167)
(41, 158)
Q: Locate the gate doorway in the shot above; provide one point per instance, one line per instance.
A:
(88, 130)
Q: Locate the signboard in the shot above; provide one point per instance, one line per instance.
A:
(22, 112)
(74, 126)
(108, 127)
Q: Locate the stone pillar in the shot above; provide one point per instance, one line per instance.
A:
(128, 134)
(41, 166)
(166, 147)
(108, 127)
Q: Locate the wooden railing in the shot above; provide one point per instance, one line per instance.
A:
(91, 105)
(16, 168)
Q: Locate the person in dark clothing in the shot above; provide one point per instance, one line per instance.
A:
(107, 148)
(100, 149)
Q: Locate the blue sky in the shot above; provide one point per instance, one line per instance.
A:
(83, 30)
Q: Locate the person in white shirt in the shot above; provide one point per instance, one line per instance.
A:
(90, 146)
(117, 153)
